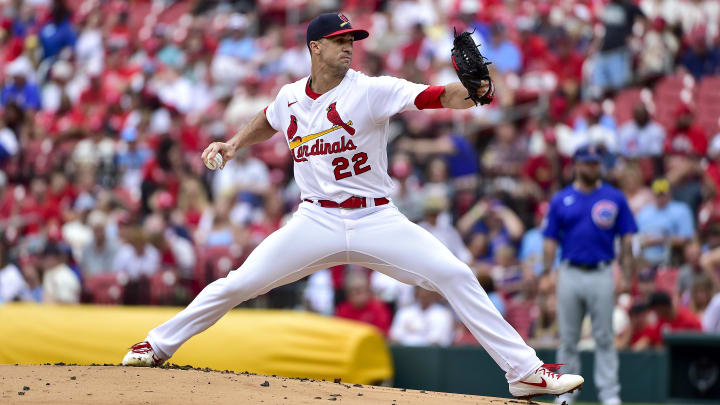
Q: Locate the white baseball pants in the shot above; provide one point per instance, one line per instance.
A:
(379, 238)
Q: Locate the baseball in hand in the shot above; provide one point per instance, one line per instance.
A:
(216, 162)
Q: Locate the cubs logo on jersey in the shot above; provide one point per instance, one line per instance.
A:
(604, 213)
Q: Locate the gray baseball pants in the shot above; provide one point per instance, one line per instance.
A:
(581, 291)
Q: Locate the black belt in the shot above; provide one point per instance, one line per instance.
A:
(588, 266)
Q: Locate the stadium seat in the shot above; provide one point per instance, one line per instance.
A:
(162, 287)
(625, 102)
(521, 314)
(669, 93)
(215, 262)
(106, 289)
(708, 105)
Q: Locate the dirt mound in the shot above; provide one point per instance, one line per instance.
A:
(108, 384)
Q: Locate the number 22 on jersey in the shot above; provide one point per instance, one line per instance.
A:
(341, 164)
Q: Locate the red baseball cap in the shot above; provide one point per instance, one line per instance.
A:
(330, 24)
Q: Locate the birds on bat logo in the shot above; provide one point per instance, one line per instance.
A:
(334, 117)
(345, 19)
(296, 141)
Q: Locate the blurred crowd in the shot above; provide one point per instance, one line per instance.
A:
(106, 105)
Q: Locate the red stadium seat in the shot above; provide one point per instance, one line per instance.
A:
(162, 287)
(668, 96)
(174, 11)
(214, 263)
(708, 105)
(625, 102)
(520, 314)
(710, 87)
(106, 289)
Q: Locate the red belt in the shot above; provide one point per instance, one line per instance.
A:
(352, 202)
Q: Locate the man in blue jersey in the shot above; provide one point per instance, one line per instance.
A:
(584, 219)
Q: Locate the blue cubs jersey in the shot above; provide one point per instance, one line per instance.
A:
(586, 224)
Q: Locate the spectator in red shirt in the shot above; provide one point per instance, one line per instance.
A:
(550, 169)
(411, 51)
(670, 318)
(192, 202)
(537, 56)
(712, 170)
(61, 193)
(94, 93)
(640, 336)
(39, 208)
(568, 65)
(7, 198)
(270, 221)
(687, 136)
(163, 172)
(11, 46)
(361, 305)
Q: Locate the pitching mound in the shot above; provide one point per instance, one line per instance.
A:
(70, 384)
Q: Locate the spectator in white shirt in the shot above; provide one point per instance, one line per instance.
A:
(440, 226)
(89, 48)
(407, 194)
(595, 129)
(242, 174)
(12, 283)
(137, 257)
(393, 292)
(13, 286)
(641, 136)
(60, 284)
(99, 255)
(319, 295)
(168, 242)
(56, 88)
(425, 323)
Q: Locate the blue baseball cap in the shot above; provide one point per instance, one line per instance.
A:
(588, 154)
(330, 24)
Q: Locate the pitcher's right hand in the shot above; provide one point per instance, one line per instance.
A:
(223, 148)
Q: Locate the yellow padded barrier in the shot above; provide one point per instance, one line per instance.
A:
(286, 343)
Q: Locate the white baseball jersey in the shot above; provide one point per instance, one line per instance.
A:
(339, 140)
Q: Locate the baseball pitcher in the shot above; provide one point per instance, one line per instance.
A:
(336, 126)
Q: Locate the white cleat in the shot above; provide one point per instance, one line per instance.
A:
(141, 355)
(544, 381)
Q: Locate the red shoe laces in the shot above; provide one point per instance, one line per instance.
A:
(142, 347)
(548, 369)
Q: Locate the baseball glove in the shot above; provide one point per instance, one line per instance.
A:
(471, 68)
